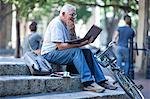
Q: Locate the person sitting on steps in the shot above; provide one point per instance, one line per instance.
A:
(55, 50)
(33, 41)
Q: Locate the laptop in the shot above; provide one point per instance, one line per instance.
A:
(94, 31)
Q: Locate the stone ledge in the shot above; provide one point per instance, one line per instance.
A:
(21, 85)
(108, 94)
(13, 66)
(14, 69)
(17, 66)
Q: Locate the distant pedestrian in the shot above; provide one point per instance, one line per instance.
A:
(121, 37)
(33, 41)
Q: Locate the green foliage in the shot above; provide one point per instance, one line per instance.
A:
(53, 6)
(83, 13)
(40, 8)
(25, 7)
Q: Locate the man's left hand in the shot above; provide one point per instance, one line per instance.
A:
(91, 39)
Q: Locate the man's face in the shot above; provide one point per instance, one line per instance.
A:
(70, 16)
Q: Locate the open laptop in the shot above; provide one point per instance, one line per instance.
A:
(94, 31)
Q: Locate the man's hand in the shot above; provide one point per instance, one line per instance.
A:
(91, 39)
(84, 43)
(71, 26)
(38, 51)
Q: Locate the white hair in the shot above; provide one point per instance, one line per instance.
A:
(67, 7)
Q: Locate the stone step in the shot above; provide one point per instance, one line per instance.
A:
(13, 66)
(15, 80)
(108, 94)
(21, 85)
(17, 66)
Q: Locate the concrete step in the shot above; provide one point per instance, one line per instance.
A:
(17, 66)
(15, 80)
(13, 66)
(108, 94)
(21, 85)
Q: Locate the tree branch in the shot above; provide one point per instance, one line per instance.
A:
(123, 7)
(3, 16)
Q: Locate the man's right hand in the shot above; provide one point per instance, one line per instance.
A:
(70, 25)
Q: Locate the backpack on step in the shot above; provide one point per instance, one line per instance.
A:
(37, 64)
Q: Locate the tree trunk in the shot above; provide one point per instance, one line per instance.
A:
(142, 33)
(17, 52)
(5, 24)
(111, 24)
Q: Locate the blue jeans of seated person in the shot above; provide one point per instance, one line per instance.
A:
(88, 57)
(123, 53)
(75, 56)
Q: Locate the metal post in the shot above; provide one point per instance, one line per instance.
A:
(131, 67)
(17, 52)
(148, 57)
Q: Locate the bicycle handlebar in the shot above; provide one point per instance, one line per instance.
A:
(111, 43)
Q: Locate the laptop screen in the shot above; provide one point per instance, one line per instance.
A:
(94, 32)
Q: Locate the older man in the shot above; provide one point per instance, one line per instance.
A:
(55, 50)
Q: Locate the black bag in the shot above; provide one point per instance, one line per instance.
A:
(37, 64)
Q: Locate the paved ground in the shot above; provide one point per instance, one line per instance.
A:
(140, 79)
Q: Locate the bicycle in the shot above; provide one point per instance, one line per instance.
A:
(106, 59)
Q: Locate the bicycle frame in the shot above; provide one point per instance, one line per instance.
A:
(108, 59)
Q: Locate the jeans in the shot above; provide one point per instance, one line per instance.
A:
(123, 53)
(76, 57)
(88, 57)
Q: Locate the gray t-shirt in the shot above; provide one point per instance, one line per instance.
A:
(32, 42)
(56, 32)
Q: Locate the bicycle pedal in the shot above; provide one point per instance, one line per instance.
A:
(115, 69)
(140, 87)
(115, 82)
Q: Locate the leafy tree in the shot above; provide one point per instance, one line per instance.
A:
(45, 7)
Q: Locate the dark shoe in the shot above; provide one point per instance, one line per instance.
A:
(94, 87)
(108, 85)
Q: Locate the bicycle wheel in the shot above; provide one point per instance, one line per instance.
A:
(128, 86)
